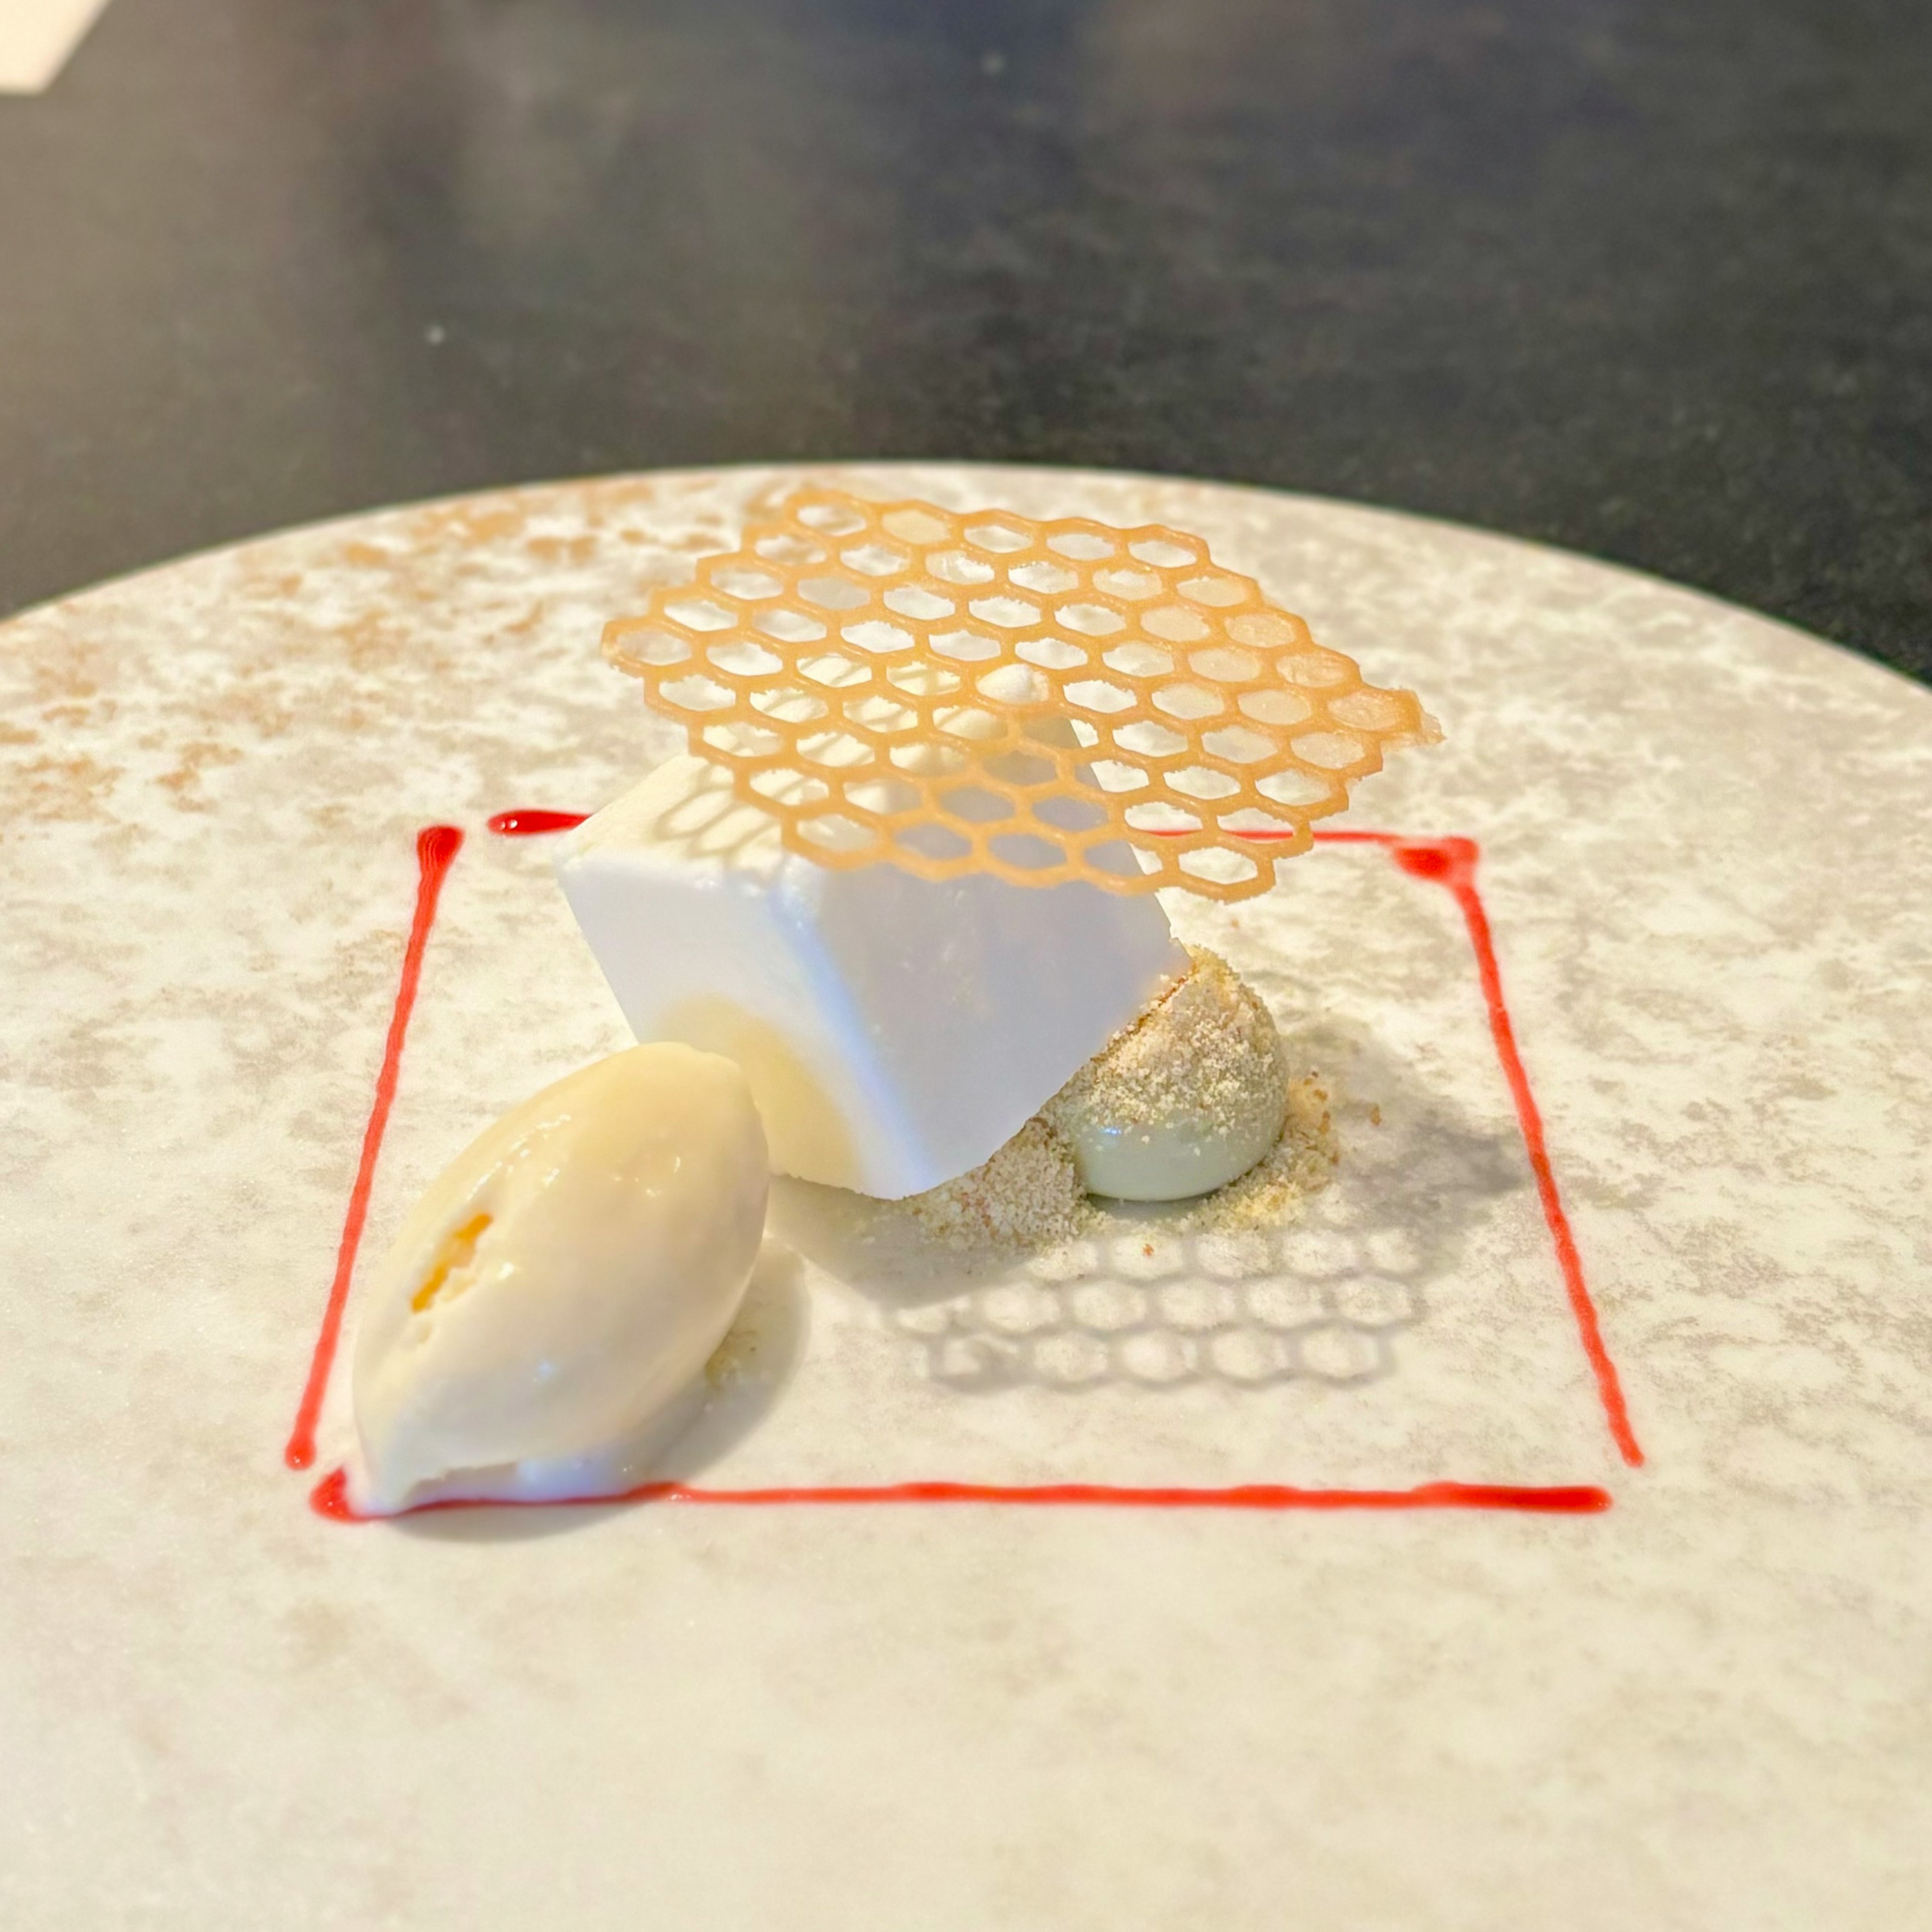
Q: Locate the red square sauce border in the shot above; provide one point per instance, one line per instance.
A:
(1448, 861)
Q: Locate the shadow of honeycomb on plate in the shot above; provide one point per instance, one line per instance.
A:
(1321, 1297)
(1320, 1300)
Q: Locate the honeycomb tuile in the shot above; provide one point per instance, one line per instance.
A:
(984, 692)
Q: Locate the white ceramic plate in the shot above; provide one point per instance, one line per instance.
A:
(1701, 862)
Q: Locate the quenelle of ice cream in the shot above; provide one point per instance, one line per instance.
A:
(547, 1311)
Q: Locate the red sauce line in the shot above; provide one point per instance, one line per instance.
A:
(1451, 862)
(437, 848)
(529, 824)
(331, 1497)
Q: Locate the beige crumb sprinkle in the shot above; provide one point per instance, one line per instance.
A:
(1302, 1163)
(1028, 1194)
(1198, 1053)
(1195, 1051)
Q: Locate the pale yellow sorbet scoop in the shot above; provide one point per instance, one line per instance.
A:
(558, 1289)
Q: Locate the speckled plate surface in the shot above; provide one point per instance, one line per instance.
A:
(1706, 865)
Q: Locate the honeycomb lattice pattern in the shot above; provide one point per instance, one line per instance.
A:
(1306, 1304)
(983, 693)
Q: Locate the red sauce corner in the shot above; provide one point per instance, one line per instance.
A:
(1450, 862)
(531, 824)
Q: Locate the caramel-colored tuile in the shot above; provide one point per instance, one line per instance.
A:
(983, 693)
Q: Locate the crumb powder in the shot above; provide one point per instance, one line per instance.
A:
(1206, 1053)
(1028, 1194)
(1272, 1192)
(1192, 1052)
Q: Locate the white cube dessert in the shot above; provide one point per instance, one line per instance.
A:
(896, 1030)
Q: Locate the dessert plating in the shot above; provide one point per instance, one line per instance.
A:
(890, 928)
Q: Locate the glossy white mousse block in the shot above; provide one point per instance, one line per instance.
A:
(896, 1030)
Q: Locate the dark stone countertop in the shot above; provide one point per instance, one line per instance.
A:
(1649, 280)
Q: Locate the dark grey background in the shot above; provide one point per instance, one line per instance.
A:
(1648, 278)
